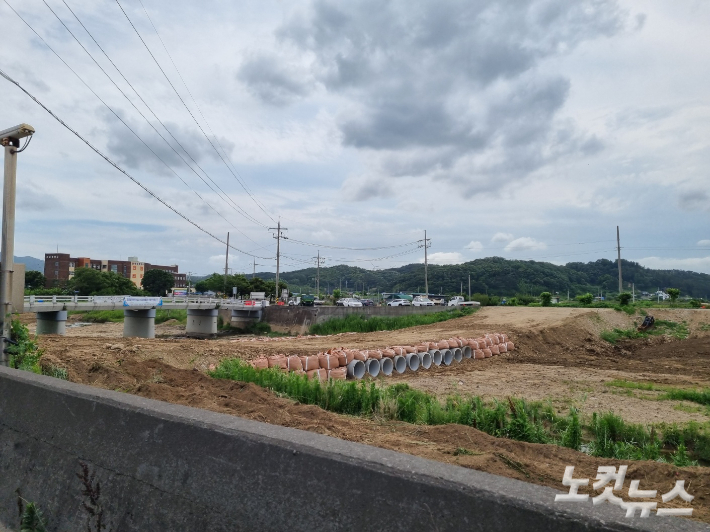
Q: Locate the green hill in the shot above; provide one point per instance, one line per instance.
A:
(498, 276)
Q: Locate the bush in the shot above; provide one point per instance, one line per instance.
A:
(585, 299)
(674, 293)
(695, 303)
(546, 299)
(624, 298)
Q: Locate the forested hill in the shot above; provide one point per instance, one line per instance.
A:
(498, 276)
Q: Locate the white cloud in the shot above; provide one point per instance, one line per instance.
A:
(525, 244)
(703, 243)
(474, 245)
(445, 258)
(217, 260)
(501, 237)
(699, 264)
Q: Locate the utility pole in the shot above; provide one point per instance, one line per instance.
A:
(469, 287)
(10, 139)
(425, 244)
(618, 249)
(255, 265)
(319, 261)
(226, 265)
(278, 236)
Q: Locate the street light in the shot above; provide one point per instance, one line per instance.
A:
(10, 139)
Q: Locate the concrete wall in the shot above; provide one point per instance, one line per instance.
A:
(299, 319)
(18, 287)
(173, 468)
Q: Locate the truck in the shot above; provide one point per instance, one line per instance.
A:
(458, 301)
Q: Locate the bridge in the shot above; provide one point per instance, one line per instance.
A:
(139, 312)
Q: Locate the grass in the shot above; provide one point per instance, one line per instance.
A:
(676, 330)
(116, 316)
(705, 327)
(607, 434)
(25, 354)
(701, 397)
(361, 324)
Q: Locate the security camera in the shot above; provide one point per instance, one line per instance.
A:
(13, 134)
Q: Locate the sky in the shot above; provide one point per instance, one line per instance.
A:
(525, 130)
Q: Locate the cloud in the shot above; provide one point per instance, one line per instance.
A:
(694, 199)
(449, 90)
(32, 197)
(525, 244)
(444, 258)
(362, 189)
(217, 260)
(474, 245)
(703, 243)
(699, 264)
(273, 81)
(323, 235)
(501, 237)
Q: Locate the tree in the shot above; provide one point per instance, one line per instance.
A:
(546, 298)
(585, 299)
(337, 294)
(158, 282)
(34, 280)
(624, 298)
(674, 293)
(91, 282)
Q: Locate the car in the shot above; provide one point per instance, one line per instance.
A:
(340, 302)
(421, 301)
(399, 303)
(367, 302)
(351, 302)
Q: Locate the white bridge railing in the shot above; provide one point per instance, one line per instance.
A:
(134, 301)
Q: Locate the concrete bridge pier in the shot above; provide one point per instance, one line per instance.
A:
(139, 323)
(53, 322)
(201, 322)
(241, 319)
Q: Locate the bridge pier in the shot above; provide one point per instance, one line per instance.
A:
(53, 322)
(201, 322)
(241, 319)
(139, 323)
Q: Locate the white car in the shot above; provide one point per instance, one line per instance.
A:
(399, 303)
(422, 302)
(351, 302)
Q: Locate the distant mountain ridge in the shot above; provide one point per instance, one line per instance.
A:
(499, 276)
(31, 263)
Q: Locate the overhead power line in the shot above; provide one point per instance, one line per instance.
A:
(117, 167)
(183, 102)
(353, 249)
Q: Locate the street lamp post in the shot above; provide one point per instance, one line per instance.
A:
(10, 139)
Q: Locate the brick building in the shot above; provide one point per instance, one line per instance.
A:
(60, 267)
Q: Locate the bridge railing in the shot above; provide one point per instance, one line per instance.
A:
(38, 301)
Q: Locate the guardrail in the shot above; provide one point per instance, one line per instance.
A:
(34, 302)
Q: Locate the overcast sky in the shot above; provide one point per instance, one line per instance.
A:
(526, 129)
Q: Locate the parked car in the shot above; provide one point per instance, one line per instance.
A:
(458, 301)
(399, 303)
(351, 302)
(367, 302)
(421, 301)
(340, 302)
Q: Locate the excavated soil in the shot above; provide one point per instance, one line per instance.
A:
(559, 357)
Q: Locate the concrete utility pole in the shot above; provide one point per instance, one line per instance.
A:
(469, 287)
(319, 261)
(255, 265)
(426, 243)
(278, 236)
(10, 139)
(226, 264)
(618, 249)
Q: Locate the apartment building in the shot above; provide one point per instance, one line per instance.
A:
(60, 267)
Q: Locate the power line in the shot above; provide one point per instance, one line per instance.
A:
(238, 209)
(117, 167)
(241, 181)
(181, 99)
(352, 249)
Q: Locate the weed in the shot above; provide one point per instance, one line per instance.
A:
(101, 316)
(622, 383)
(31, 518)
(705, 327)
(680, 458)
(24, 351)
(359, 323)
(572, 436)
(163, 315)
(92, 492)
(463, 451)
(678, 331)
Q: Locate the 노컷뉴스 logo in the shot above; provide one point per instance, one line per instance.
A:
(608, 474)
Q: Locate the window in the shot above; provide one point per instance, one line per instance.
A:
(114, 268)
(134, 275)
(134, 267)
(56, 263)
(141, 268)
(71, 264)
(56, 273)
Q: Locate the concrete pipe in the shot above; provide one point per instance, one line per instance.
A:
(425, 359)
(458, 354)
(356, 369)
(447, 357)
(372, 365)
(400, 363)
(467, 351)
(386, 366)
(412, 361)
(435, 356)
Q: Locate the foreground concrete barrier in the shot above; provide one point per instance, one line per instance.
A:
(173, 468)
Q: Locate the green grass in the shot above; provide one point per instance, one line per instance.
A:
(25, 353)
(705, 327)
(361, 324)
(163, 315)
(99, 316)
(607, 434)
(676, 330)
(701, 396)
(621, 383)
